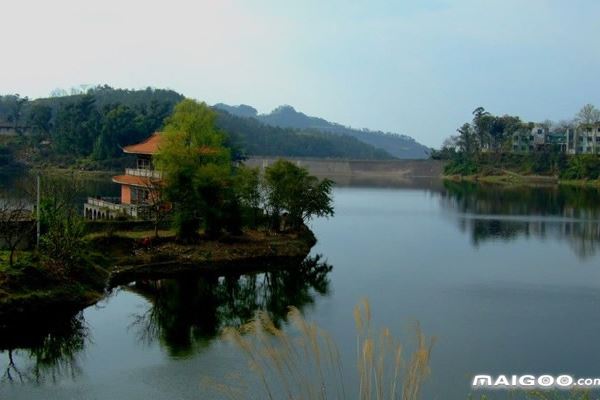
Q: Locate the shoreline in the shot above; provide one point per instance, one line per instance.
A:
(22, 297)
(253, 251)
(523, 180)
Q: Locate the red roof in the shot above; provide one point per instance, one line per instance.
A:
(132, 180)
(151, 146)
(148, 146)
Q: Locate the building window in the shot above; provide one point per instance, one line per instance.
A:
(143, 163)
(139, 196)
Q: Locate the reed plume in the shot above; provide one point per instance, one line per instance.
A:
(304, 363)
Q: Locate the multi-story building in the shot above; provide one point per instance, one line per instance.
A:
(540, 138)
(136, 185)
(523, 140)
(585, 139)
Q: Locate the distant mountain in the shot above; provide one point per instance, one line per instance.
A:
(249, 136)
(400, 146)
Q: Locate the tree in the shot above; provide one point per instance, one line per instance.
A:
(588, 115)
(39, 119)
(196, 168)
(481, 124)
(247, 187)
(16, 223)
(118, 128)
(157, 203)
(292, 189)
(468, 140)
(16, 111)
(62, 242)
(77, 126)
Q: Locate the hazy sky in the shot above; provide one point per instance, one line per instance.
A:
(416, 67)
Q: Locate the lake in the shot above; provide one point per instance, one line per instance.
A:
(506, 279)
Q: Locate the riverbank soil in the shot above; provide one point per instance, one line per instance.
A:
(29, 289)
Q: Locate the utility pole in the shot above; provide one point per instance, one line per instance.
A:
(37, 238)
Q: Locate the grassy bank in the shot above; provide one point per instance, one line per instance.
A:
(512, 178)
(29, 288)
(506, 178)
(138, 254)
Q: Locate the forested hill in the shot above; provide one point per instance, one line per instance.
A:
(252, 137)
(400, 146)
(89, 128)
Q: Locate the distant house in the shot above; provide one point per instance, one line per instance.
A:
(538, 138)
(136, 185)
(10, 129)
(585, 139)
(140, 186)
(523, 140)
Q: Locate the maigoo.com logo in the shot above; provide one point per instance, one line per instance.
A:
(532, 382)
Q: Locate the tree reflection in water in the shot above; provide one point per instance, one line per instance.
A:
(185, 313)
(50, 350)
(492, 212)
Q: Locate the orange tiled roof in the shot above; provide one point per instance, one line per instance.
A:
(132, 180)
(151, 146)
(148, 146)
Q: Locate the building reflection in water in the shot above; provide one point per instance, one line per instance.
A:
(493, 212)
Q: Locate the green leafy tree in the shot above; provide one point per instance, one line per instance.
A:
(118, 128)
(293, 190)
(196, 168)
(39, 119)
(248, 191)
(77, 126)
(468, 140)
(16, 108)
(62, 244)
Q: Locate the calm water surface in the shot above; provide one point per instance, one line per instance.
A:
(508, 280)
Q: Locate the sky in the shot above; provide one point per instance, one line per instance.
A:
(414, 67)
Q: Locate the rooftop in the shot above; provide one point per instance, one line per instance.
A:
(149, 146)
(133, 180)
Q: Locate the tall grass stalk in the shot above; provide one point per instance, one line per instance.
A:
(304, 363)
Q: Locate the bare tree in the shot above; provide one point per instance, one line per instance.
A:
(16, 223)
(588, 115)
(547, 124)
(158, 205)
(565, 125)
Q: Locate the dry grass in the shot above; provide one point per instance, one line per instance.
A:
(305, 364)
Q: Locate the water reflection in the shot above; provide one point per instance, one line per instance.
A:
(184, 314)
(493, 212)
(48, 351)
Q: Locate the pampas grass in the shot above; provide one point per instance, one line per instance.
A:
(305, 363)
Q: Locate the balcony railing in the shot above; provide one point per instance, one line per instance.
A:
(111, 203)
(110, 207)
(146, 173)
